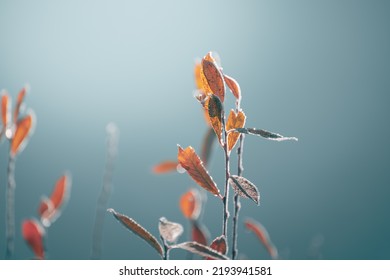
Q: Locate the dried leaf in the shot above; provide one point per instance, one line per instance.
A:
(262, 234)
(213, 77)
(165, 167)
(191, 204)
(265, 134)
(199, 233)
(191, 162)
(235, 120)
(23, 129)
(215, 110)
(19, 102)
(243, 187)
(201, 250)
(50, 209)
(207, 145)
(169, 231)
(138, 230)
(219, 245)
(5, 115)
(33, 233)
(233, 86)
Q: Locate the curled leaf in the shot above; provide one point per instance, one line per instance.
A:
(235, 120)
(170, 231)
(233, 86)
(215, 111)
(201, 250)
(138, 230)
(23, 130)
(207, 145)
(213, 78)
(191, 162)
(265, 134)
(219, 244)
(19, 102)
(243, 187)
(262, 234)
(165, 167)
(191, 204)
(199, 233)
(33, 233)
(50, 208)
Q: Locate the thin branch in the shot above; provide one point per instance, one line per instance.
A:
(10, 214)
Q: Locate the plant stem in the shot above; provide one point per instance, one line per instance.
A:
(10, 214)
(227, 176)
(166, 249)
(237, 204)
(112, 147)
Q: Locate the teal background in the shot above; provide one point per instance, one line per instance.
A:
(317, 70)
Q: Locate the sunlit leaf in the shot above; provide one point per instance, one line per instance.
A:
(215, 110)
(23, 129)
(19, 102)
(165, 167)
(233, 86)
(213, 77)
(207, 146)
(191, 162)
(138, 230)
(219, 245)
(50, 209)
(199, 233)
(243, 187)
(33, 233)
(169, 231)
(197, 75)
(201, 250)
(191, 204)
(265, 134)
(5, 104)
(262, 234)
(235, 120)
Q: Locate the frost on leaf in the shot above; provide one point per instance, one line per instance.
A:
(191, 162)
(244, 188)
(234, 121)
(265, 134)
(138, 230)
(169, 231)
(201, 250)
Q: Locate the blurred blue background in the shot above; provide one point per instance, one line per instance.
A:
(318, 70)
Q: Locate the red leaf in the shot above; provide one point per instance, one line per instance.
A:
(219, 245)
(199, 233)
(34, 233)
(262, 234)
(165, 167)
(214, 78)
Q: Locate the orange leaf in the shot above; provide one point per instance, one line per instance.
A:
(233, 86)
(234, 121)
(215, 111)
(219, 245)
(165, 167)
(191, 162)
(199, 233)
(19, 101)
(5, 109)
(33, 233)
(191, 204)
(50, 209)
(213, 78)
(198, 76)
(23, 129)
(262, 234)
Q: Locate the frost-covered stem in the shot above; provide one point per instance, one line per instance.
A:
(227, 176)
(237, 204)
(10, 212)
(112, 147)
(166, 249)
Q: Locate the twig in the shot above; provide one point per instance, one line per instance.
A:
(112, 147)
(166, 248)
(10, 214)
